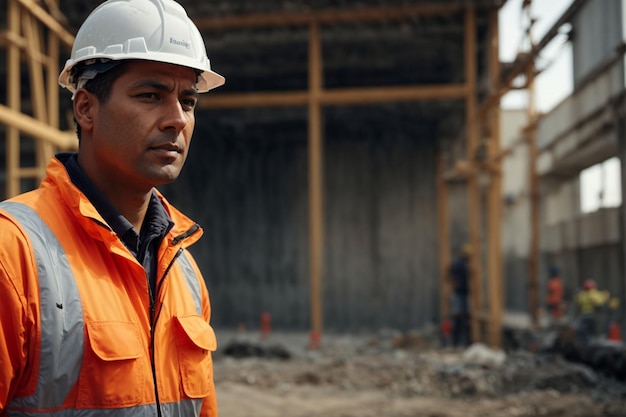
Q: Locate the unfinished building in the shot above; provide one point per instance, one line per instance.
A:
(354, 148)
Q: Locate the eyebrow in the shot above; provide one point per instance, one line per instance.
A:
(162, 87)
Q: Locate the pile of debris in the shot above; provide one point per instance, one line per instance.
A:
(378, 363)
(602, 355)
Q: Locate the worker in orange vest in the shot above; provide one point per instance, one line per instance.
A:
(554, 298)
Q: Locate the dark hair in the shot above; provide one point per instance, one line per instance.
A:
(101, 86)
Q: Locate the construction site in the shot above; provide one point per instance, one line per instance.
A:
(355, 150)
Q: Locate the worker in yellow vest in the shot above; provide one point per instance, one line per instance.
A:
(588, 301)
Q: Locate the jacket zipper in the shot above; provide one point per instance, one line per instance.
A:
(154, 315)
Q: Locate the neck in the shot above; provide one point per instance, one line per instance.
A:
(132, 205)
(131, 202)
(133, 208)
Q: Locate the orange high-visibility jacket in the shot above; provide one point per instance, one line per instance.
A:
(555, 291)
(78, 332)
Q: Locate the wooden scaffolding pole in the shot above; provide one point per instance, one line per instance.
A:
(342, 96)
(52, 87)
(533, 180)
(335, 96)
(44, 149)
(13, 119)
(29, 26)
(49, 21)
(304, 18)
(444, 241)
(472, 179)
(316, 218)
(13, 101)
(533, 192)
(494, 217)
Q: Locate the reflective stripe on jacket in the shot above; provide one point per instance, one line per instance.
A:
(79, 333)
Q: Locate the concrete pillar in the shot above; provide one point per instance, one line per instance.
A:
(620, 119)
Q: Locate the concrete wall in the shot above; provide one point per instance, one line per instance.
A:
(587, 246)
(246, 184)
(580, 132)
(582, 246)
(597, 32)
(516, 211)
(381, 227)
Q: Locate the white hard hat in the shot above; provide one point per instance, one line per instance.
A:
(153, 30)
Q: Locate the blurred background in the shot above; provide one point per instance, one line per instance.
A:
(357, 146)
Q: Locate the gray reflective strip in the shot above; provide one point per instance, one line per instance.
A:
(62, 343)
(183, 408)
(193, 281)
(138, 411)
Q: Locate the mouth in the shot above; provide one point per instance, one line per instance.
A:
(167, 150)
(168, 147)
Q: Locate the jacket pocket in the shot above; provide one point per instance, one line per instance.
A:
(195, 340)
(114, 373)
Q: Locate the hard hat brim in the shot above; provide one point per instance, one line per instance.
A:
(207, 79)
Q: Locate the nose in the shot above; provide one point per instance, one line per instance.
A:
(175, 117)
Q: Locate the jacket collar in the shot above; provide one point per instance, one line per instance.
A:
(58, 177)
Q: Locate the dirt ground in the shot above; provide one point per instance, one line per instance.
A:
(394, 375)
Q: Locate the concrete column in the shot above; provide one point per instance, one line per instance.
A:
(620, 119)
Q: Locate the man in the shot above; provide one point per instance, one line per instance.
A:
(555, 292)
(588, 301)
(104, 311)
(459, 279)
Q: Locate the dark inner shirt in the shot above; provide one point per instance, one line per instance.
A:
(460, 273)
(144, 246)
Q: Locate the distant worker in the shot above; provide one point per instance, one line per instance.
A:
(459, 280)
(612, 321)
(554, 299)
(588, 301)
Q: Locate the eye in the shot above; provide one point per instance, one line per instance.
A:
(188, 103)
(149, 95)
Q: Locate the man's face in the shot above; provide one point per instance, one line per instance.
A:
(141, 135)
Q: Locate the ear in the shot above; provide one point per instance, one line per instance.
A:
(85, 105)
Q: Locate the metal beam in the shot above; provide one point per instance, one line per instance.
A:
(316, 185)
(533, 192)
(339, 96)
(523, 62)
(494, 199)
(303, 18)
(260, 99)
(13, 101)
(390, 94)
(472, 180)
(444, 241)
